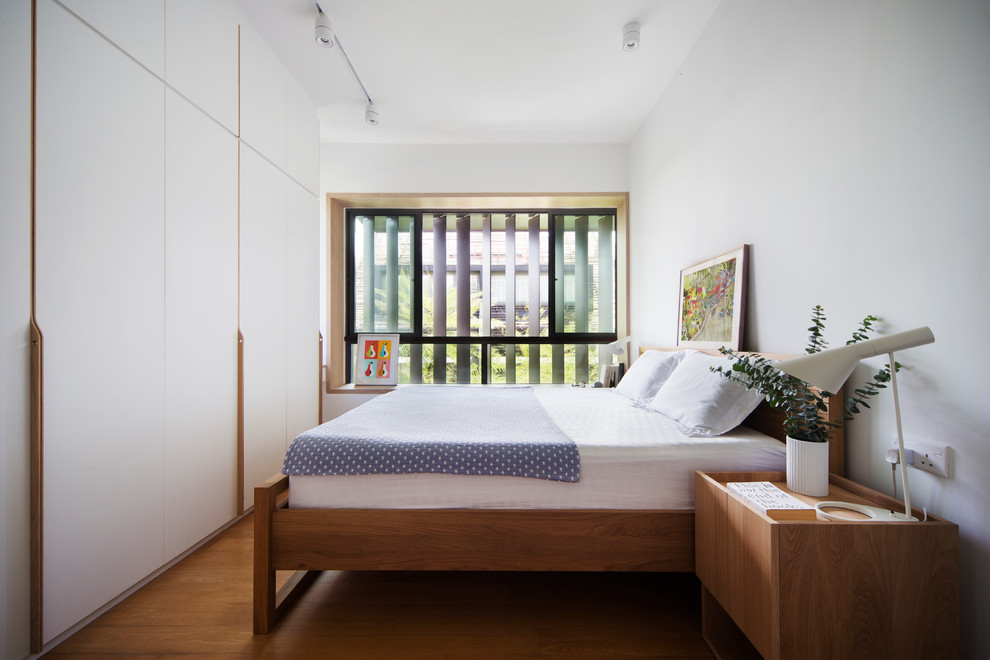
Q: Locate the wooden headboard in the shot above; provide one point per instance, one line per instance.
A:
(770, 421)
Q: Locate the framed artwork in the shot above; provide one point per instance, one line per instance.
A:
(712, 299)
(377, 360)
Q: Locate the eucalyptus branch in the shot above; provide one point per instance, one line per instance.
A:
(816, 340)
(869, 390)
(864, 330)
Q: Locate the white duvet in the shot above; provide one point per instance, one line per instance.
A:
(631, 458)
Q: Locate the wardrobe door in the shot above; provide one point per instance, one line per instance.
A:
(136, 26)
(302, 135)
(262, 94)
(15, 308)
(200, 325)
(100, 282)
(201, 56)
(302, 321)
(262, 317)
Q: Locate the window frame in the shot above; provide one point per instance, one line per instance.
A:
(416, 336)
(338, 268)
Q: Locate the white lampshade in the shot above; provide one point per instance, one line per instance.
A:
(617, 347)
(828, 370)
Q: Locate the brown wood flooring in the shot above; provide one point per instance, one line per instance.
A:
(202, 607)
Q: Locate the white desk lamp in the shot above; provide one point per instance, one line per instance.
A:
(828, 370)
(607, 352)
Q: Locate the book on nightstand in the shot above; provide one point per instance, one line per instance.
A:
(772, 501)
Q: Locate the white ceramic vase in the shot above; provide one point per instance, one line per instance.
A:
(807, 467)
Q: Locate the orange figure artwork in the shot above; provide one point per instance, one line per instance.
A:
(376, 359)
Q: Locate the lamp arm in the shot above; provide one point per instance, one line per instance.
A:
(900, 439)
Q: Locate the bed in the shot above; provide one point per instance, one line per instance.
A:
(449, 522)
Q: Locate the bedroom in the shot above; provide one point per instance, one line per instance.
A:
(846, 143)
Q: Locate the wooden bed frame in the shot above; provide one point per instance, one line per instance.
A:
(312, 540)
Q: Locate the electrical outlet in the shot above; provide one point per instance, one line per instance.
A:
(928, 457)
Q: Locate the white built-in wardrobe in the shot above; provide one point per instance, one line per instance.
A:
(177, 174)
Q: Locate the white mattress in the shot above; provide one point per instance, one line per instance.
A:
(631, 458)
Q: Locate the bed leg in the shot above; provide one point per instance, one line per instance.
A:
(293, 588)
(265, 499)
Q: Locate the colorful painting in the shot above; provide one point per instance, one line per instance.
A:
(377, 360)
(712, 298)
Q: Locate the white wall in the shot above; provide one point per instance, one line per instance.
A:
(456, 168)
(15, 159)
(848, 143)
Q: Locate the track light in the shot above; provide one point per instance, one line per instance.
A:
(324, 31)
(630, 37)
(326, 38)
(371, 114)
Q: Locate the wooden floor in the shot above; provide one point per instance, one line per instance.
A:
(202, 607)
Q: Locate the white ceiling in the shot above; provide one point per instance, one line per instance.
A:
(483, 71)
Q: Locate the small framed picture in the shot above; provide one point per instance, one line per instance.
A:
(377, 360)
(712, 299)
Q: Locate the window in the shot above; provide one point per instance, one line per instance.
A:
(470, 292)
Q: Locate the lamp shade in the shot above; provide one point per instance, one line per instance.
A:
(607, 351)
(828, 370)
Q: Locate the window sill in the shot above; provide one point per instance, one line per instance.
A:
(351, 388)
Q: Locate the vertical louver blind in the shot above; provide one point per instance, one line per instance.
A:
(470, 292)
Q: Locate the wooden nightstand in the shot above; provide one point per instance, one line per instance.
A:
(823, 589)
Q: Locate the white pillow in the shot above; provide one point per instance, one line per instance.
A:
(703, 402)
(647, 374)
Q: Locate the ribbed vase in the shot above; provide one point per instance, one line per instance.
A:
(807, 467)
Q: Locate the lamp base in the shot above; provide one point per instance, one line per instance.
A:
(872, 513)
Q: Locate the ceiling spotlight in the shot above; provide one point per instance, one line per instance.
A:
(326, 38)
(371, 115)
(324, 31)
(630, 37)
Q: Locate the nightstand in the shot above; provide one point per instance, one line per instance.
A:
(823, 589)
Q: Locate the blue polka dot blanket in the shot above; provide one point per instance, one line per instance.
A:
(481, 430)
